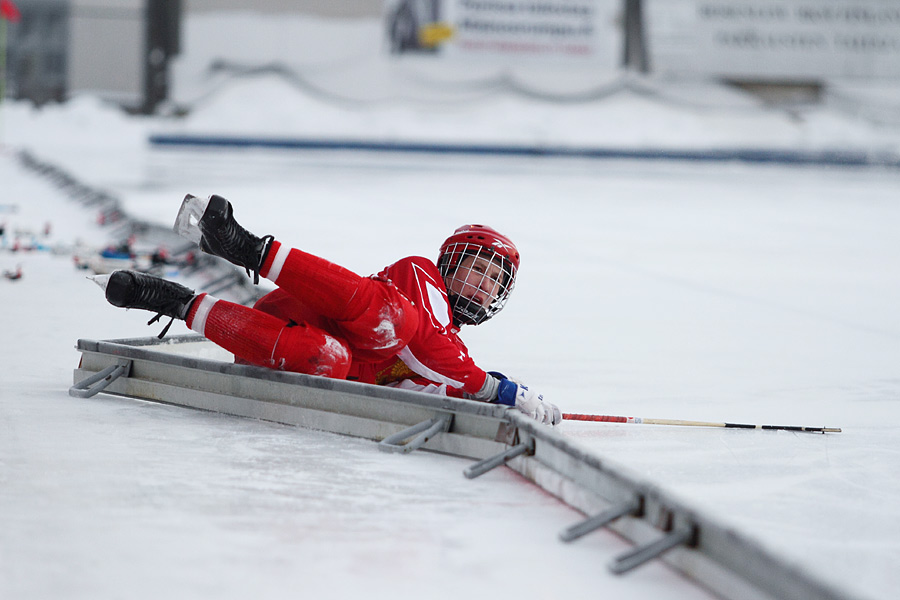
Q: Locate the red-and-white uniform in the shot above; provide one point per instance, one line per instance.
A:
(435, 357)
(394, 328)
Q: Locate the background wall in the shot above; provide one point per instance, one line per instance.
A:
(324, 8)
(107, 47)
(365, 50)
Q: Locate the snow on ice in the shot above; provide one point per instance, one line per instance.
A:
(759, 294)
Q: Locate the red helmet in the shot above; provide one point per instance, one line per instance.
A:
(487, 243)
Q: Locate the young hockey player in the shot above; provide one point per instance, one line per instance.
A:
(397, 328)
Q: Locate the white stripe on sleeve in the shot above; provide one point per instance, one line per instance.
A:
(413, 363)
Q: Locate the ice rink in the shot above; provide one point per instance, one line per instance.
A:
(714, 292)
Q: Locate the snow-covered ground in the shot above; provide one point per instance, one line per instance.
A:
(711, 292)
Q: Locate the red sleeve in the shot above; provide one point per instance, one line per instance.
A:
(435, 352)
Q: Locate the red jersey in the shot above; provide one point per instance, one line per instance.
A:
(436, 359)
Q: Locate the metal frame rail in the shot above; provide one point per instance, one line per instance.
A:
(662, 527)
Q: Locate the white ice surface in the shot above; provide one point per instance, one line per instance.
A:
(113, 498)
(716, 293)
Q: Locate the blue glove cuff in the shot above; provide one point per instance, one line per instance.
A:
(506, 393)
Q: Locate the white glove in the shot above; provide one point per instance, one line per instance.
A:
(529, 402)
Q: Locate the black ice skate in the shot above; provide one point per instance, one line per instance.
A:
(130, 289)
(209, 222)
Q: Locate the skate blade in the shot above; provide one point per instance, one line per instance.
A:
(101, 280)
(188, 218)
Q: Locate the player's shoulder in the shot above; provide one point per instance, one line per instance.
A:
(420, 279)
(417, 265)
(419, 261)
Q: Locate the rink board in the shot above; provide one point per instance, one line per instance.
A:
(722, 559)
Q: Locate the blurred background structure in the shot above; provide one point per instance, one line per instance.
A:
(787, 52)
(707, 192)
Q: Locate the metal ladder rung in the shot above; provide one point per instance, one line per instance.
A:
(98, 382)
(629, 507)
(425, 430)
(642, 554)
(485, 465)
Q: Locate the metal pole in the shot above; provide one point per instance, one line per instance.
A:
(635, 52)
(2, 58)
(2, 72)
(161, 32)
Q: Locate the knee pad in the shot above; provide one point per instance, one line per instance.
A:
(306, 349)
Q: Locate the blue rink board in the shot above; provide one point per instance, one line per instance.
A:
(848, 158)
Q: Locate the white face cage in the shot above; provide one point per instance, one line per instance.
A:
(478, 281)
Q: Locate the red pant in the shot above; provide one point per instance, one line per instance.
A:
(321, 319)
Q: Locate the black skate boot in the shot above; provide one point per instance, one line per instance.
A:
(220, 235)
(130, 289)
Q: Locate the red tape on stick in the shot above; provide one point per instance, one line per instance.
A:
(605, 418)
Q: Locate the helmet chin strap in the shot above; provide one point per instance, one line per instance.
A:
(466, 311)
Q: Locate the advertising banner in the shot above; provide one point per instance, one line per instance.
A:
(509, 30)
(774, 39)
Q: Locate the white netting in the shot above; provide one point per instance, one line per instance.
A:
(478, 280)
